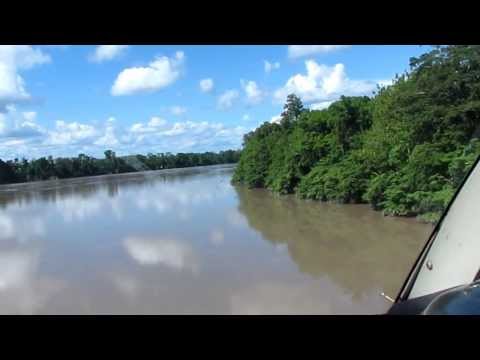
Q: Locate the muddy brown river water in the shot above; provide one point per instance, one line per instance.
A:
(185, 241)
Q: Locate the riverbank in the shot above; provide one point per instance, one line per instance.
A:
(66, 168)
(404, 151)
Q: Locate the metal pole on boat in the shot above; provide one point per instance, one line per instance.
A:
(387, 297)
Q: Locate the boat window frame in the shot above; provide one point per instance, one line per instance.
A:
(407, 286)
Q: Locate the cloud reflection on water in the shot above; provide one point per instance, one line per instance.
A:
(217, 236)
(78, 208)
(301, 298)
(6, 227)
(21, 228)
(176, 198)
(22, 290)
(126, 284)
(15, 266)
(170, 253)
(236, 219)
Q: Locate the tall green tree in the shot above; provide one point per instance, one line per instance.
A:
(291, 110)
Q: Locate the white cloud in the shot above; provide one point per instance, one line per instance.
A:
(30, 115)
(321, 105)
(160, 73)
(21, 136)
(106, 52)
(154, 125)
(71, 133)
(178, 110)
(296, 51)
(19, 125)
(24, 56)
(323, 83)
(12, 59)
(183, 136)
(252, 91)
(206, 85)
(226, 100)
(275, 119)
(246, 117)
(385, 83)
(268, 66)
(109, 139)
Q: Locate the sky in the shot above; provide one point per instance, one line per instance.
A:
(66, 100)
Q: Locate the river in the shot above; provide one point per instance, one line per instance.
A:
(185, 241)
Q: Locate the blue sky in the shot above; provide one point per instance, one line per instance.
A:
(64, 100)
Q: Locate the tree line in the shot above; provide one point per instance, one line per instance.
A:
(404, 150)
(13, 171)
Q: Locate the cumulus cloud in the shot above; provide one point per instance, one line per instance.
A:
(104, 53)
(71, 133)
(178, 110)
(14, 58)
(268, 66)
(30, 115)
(323, 83)
(21, 136)
(160, 73)
(385, 83)
(321, 105)
(275, 119)
(252, 91)
(19, 125)
(109, 139)
(154, 125)
(296, 51)
(226, 100)
(184, 136)
(206, 85)
(23, 56)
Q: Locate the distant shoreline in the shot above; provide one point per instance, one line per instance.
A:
(23, 170)
(27, 183)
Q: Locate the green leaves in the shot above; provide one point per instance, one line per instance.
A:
(291, 111)
(405, 151)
